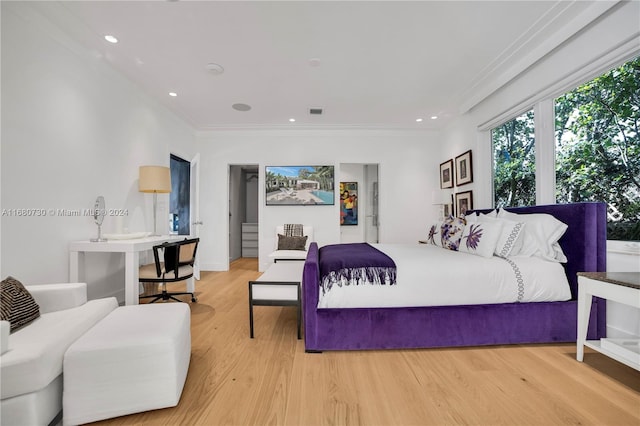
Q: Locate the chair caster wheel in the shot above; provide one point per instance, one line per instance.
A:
(194, 300)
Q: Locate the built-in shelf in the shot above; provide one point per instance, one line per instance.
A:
(249, 240)
(620, 355)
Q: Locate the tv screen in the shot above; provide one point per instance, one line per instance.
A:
(299, 185)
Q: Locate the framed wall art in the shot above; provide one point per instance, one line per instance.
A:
(348, 203)
(464, 202)
(299, 185)
(447, 208)
(464, 170)
(446, 174)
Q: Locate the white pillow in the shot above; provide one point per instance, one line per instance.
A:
(480, 238)
(493, 214)
(471, 218)
(511, 237)
(559, 254)
(434, 235)
(541, 235)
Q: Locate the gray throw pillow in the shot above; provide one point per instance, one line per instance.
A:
(291, 243)
(17, 305)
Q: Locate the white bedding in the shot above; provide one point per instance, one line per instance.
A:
(432, 276)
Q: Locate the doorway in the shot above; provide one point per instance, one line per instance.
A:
(180, 196)
(360, 182)
(243, 211)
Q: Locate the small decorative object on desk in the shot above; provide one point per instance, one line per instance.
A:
(98, 216)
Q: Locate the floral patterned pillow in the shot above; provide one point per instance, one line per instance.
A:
(480, 238)
(435, 234)
(451, 231)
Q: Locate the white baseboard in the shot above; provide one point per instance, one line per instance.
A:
(214, 267)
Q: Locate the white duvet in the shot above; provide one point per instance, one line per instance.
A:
(432, 276)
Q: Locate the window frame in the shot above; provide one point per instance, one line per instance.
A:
(544, 125)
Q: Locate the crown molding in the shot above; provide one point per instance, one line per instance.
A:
(538, 45)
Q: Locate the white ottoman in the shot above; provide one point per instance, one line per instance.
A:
(135, 359)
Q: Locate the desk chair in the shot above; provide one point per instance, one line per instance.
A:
(177, 265)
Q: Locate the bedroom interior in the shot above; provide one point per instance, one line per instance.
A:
(81, 115)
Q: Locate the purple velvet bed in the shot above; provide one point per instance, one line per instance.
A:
(584, 244)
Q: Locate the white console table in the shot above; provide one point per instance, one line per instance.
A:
(131, 249)
(621, 287)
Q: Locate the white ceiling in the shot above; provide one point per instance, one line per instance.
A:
(381, 64)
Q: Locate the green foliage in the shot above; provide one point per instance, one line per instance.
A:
(629, 231)
(597, 144)
(514, 162)
(597, 150)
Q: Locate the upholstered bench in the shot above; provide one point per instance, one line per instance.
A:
(135, 359)
(279, 285)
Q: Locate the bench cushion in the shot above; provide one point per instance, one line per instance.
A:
(134, 360)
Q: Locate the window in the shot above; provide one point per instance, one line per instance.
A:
(180, 197)
(598, 148)
(514, 170)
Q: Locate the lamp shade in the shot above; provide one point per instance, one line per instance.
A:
(154, 179)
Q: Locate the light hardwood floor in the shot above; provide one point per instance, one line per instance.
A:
(270, 380)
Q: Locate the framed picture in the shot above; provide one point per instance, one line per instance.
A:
(464, 170)
(464, 202)
(299, 185)
(447, 209)
(446, 174)
(348, 203)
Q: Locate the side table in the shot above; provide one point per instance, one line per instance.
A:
(621, 287)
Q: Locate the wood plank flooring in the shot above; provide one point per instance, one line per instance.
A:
(270, 380)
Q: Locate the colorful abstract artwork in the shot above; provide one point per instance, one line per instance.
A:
(348, 203)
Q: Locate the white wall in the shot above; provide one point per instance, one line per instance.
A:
(407, 172)
(608, 41)
(73, 129)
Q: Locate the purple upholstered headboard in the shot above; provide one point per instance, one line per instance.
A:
(584, 243)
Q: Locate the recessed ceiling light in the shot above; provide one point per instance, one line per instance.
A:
(241, 107)
(110, 38)
(173, 94)
(214, 69)
(418, 119)
(292, 120)
(434, 117)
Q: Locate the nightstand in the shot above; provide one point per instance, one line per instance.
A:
(621, 287)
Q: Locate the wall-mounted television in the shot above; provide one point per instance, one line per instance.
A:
(299, 185)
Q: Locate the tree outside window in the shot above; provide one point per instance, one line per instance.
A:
(514, 171)
(598, 148)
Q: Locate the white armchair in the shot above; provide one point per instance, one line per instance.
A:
(31, 357)
(276, 255)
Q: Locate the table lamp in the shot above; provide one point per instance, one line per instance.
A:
(155, 179)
